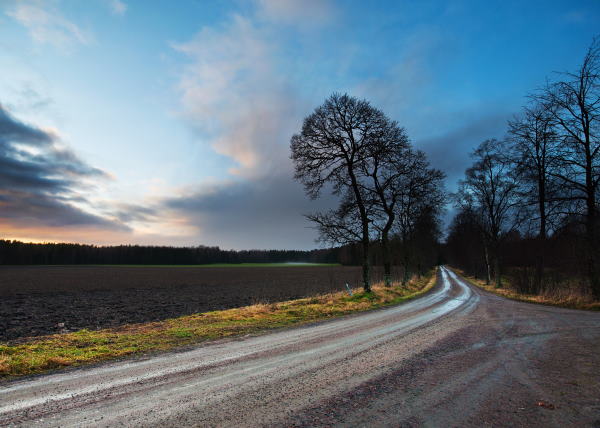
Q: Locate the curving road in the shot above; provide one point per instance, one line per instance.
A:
(455, 357)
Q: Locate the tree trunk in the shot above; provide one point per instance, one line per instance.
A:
(541, 241)
(592, 248)
(497, 269)
(406, 274)
(366, 268)
(387, 253)
(488, 268)
(539, 268)
(387, 259)
(365, 231)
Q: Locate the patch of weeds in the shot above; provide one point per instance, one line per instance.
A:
(181, 332)
(361, 297)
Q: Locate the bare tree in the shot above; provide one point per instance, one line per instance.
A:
(332, 148)
(390, 161)
(534, 142)
(489, 189)
(417, 191)
(574, 104)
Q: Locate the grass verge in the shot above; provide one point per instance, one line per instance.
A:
(563, 300)
(36, 355)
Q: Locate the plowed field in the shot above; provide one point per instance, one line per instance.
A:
(37, 300)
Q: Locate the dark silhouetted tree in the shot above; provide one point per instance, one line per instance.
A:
(419, 194)
(332, 149)
(385, 175)
(490, 190)
(533, 147)
(574, 105)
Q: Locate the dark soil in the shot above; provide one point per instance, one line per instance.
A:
(38, 300)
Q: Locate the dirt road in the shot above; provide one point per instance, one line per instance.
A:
(456, 357)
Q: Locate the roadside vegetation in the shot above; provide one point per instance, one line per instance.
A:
(565, 297)
(529, 207)
(36, 355)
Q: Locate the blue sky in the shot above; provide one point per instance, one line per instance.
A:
(176, 116)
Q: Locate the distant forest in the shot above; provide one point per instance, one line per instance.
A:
(425, 252)
(21, 253)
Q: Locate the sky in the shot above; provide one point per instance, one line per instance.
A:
(168, 123)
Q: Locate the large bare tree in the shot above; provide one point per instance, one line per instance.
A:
(533, 145)
(574, 103)
(332, 149)
(385, 175)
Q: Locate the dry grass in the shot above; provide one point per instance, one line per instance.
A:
(567, 297)
(35, 355)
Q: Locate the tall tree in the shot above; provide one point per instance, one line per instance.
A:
(574, 103)
(332, 149)
(533, 141)
(389, 164)
(489, 189)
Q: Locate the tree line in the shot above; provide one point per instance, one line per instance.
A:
(21, 253)
(529, 204)
(389, 196)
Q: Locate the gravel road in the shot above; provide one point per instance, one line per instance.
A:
(455, 357)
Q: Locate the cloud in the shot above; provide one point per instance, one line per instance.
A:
(128, 213)
(26, 97)
(118, 7)
(297, 13)
(239, 97)
(236, 96)
(450, 151)
(264, 213)
(13, 130)
(43, 183)
(46, 25)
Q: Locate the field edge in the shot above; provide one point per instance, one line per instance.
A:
(49, 353)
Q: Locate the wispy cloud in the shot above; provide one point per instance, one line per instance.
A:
(118, 7)
(297, 13)
(234, 95)
(237, 94)
(47, 25)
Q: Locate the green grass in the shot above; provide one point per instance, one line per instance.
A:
(36, 355)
